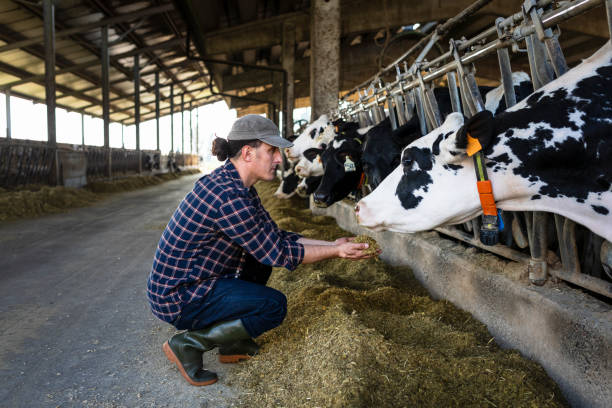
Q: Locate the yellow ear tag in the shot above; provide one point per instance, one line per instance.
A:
(473, 145)
(349, 165)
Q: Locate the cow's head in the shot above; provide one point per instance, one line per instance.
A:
(382, 148)
(308, 186)
(308, 138)
(434, 185)
(342, 171)
(310, 162)
(288, 185)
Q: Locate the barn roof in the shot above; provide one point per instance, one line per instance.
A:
(373, 33)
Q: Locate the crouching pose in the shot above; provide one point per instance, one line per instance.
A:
(217, 252)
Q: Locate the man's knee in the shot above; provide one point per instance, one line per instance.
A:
(277, 308)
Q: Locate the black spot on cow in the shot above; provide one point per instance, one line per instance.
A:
(412, 181)
(435, 148)
(313, 133)
(570, 167)
(421, 155)
(600, 209)
(321, 130)
(453, 167)
(502, 158)
(290, 183)
(536, 197)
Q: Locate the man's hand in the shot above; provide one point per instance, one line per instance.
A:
(343, 240)
(350, 250)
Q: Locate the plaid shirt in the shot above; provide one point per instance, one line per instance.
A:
(207, 239)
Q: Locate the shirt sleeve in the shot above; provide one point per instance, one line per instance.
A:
(238, 219)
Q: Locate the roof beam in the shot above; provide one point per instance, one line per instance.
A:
(144, 12)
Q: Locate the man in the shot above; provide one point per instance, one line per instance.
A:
(216, 253)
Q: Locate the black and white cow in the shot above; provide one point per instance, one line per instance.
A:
(550, 152)
(308, 185)
(310, 137)
(288, 185)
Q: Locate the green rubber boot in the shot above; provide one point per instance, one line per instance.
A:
(186, 349)
(238, 351)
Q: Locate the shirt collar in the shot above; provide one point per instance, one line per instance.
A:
(234, 176)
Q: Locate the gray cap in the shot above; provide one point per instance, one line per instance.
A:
(251, 127)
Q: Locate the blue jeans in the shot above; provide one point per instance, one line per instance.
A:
(259, 307)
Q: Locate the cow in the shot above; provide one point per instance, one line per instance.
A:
(288, 185)
(308, 138)
(310, 162)
(550, 152)
(308, 185)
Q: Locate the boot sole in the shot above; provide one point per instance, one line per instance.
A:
(173, 359)
(233, 358)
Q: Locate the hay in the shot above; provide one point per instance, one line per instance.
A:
(35, 200)
(373, 246)
(363, 334)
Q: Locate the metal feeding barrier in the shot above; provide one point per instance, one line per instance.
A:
(584, 258)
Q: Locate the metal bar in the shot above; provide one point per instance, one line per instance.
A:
(49, 41)
(496, 249)
(198, 132)
(137, 108)
(538, 248)
(609, 16)
(182, 124)
(190, 130)
(8, 114)
(439, 32)
(144, 12)
(420, 110)
(105, 61)
(96, 62)
(82, 129)
(454, 92)
(505, 68)
(171, 118)
(157, 107)
(554, 17)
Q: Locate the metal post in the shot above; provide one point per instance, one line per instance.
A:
(609, 15)
(454, 92)
(420, 110)
(157, 107)
(8, 114)
(505, 69)
(171, 118)
(190, 130)
(198, 132)
(183, 124)
(288, 60)
(538, 247)
(105, 62)
(122, 139)
(82, 129)
(137, 109)
(49, 43)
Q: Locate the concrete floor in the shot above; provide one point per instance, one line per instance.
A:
(75, 325)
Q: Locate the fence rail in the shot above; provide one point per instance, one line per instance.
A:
(554, 247)
(25, 162)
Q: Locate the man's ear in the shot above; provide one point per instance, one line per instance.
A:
(247, 153)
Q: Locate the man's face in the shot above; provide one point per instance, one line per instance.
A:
(267, 157)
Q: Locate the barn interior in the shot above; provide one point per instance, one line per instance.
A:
(128, 62)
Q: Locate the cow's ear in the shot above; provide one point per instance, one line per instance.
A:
(453, 143)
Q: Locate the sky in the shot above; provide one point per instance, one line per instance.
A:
(29, 121)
